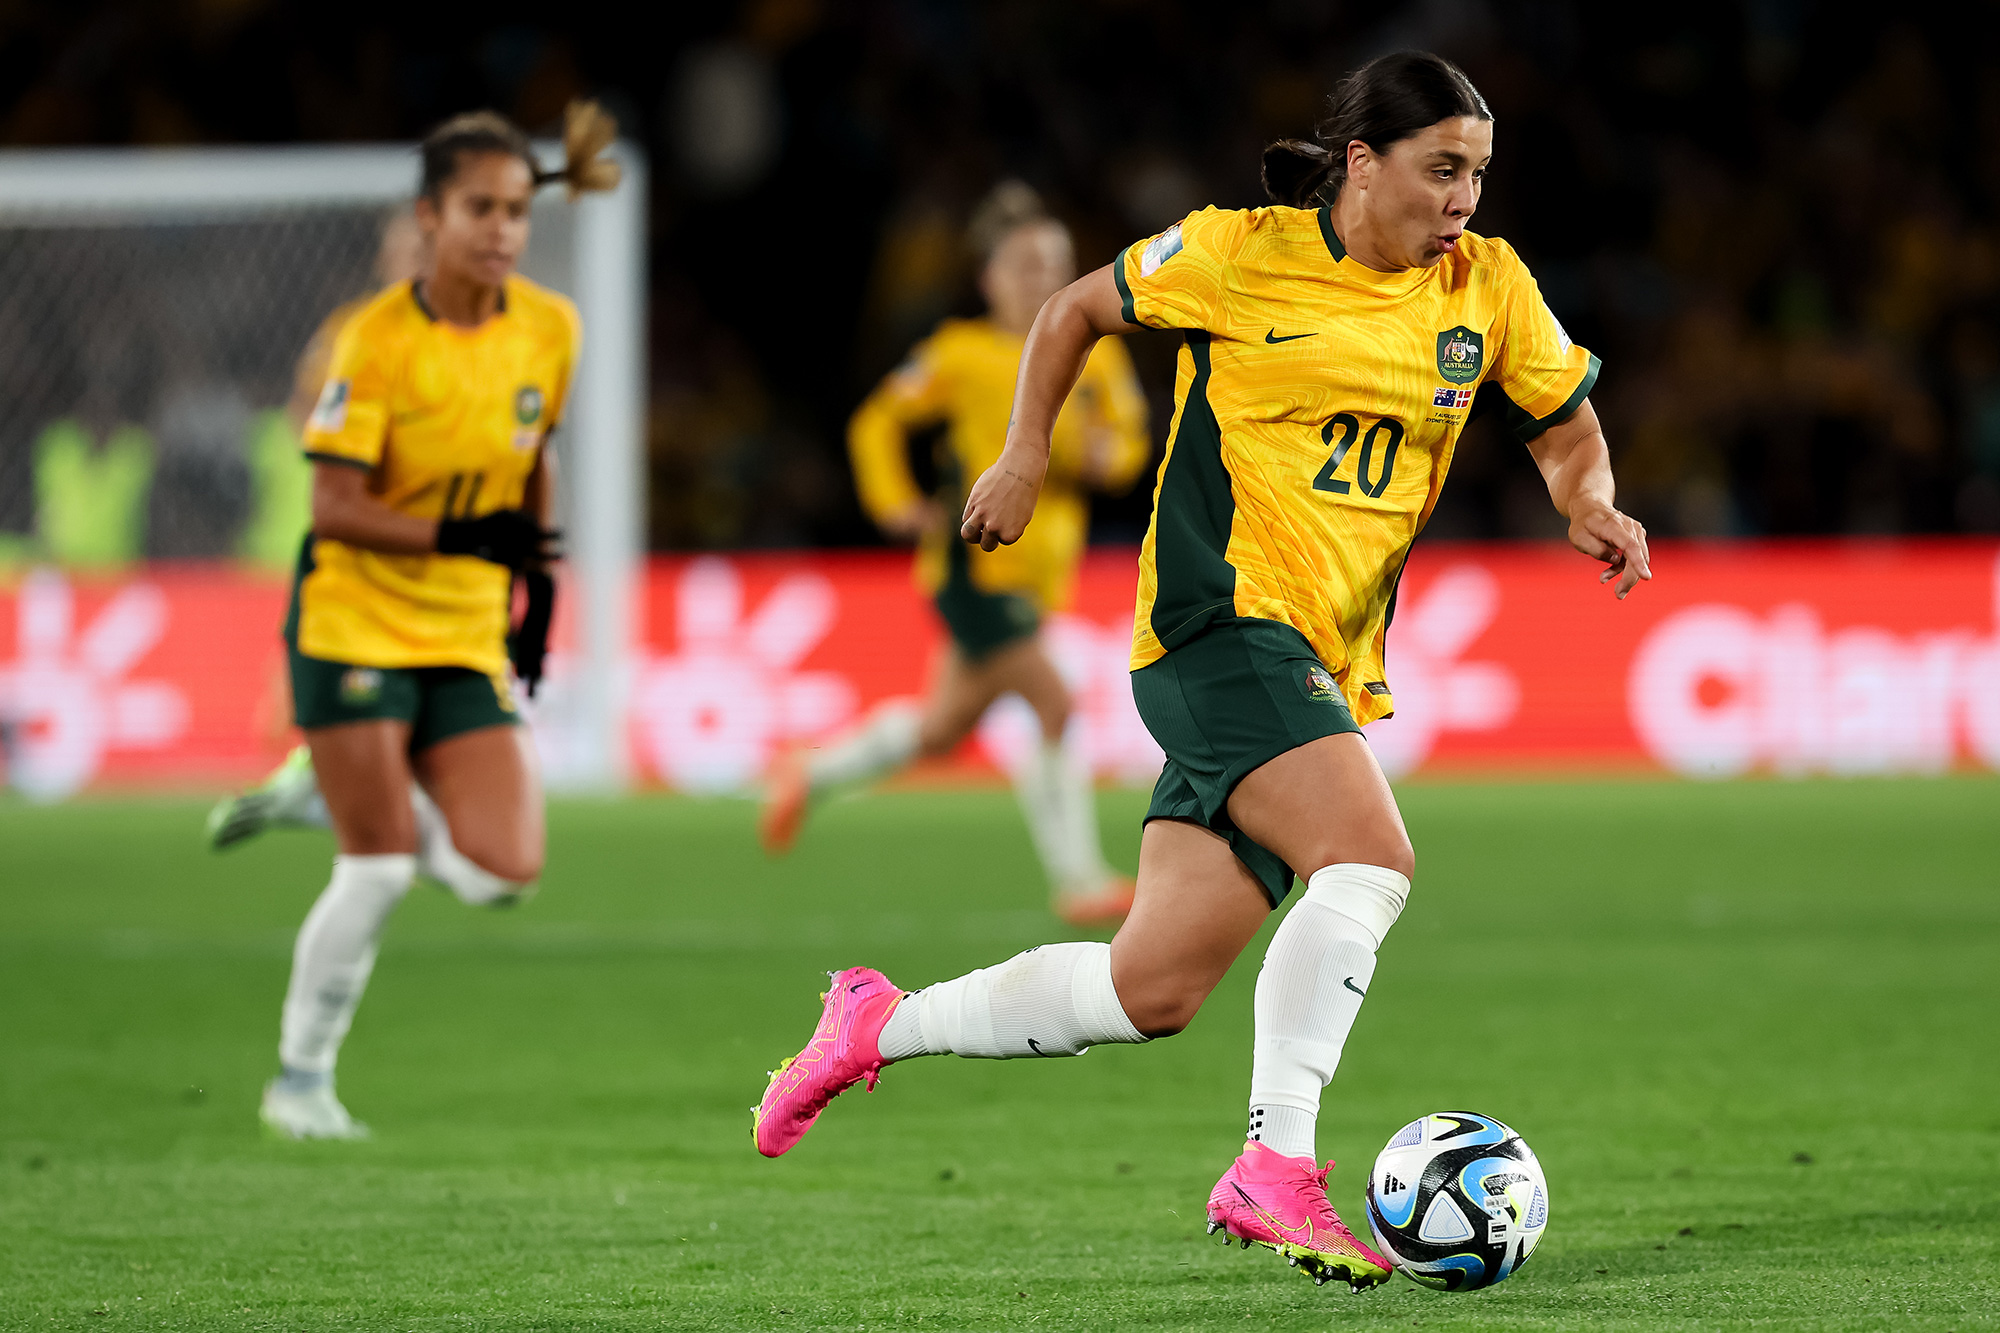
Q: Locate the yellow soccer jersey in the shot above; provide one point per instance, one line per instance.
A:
(448, 422)
(1317, 405)
(963, 376)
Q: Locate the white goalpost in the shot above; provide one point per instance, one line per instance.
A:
(179, 287)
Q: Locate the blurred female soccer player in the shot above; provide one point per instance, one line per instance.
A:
(1333, 346)
(432, 492)
(991, 601)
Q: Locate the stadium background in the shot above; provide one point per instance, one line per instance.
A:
(1775, 228)
(1741, 1021)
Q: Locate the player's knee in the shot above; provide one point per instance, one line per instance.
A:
(1389, 849)
(372, 833)
(515, 863)
(1160, 1010)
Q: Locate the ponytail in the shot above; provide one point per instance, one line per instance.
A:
(1387, 100)
(1295, 170)
(588, 130)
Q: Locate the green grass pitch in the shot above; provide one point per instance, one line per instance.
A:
(1749, 1028)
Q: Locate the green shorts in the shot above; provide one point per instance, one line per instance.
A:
(981, 622)
(438, 702)
(1226, 703)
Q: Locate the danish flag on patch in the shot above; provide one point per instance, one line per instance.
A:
(1447, 397)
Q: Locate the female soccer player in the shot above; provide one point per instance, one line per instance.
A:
(1332, 352)
(432, 491)
(991, 602)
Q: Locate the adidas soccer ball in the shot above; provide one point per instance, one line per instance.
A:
(1457, 1201)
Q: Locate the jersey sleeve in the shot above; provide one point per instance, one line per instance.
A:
(1120, 440)
(1542, 375)
(1177, 280)
(350, 423)
(911, 396)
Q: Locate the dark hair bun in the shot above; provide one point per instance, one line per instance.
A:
(1384, 102)
(1294, 171)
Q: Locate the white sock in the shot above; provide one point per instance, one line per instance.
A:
(334, 954)
(1054, 789)
(438, 858)
(884, 743)
(1309, 991)
(1055, 1000)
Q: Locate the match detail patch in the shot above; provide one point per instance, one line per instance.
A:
(330, 413)
(1159, 250)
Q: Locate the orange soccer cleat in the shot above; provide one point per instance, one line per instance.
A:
(787, 797)
(1109, 905)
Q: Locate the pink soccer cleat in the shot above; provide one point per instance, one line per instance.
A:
(1279, 1202)
(842, 1052)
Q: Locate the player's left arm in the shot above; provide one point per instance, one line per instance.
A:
(1576, 463)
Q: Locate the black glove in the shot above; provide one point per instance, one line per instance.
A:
(510, 537)
(528, 642)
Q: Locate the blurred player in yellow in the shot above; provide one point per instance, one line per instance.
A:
(991, 602)
(1334, 345)
(433, 489)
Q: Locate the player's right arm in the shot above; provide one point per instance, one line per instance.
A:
(1003, 499)
(345, 439)
(1175, 280)
(878, 439)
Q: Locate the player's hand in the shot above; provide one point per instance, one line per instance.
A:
(1003, 500)
(1619, 540)
(511, 537)
(528, 642)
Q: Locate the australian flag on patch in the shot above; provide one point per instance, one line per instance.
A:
(1445, 397)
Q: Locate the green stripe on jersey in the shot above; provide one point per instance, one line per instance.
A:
(1124, 287)
(1327, 234)
(1523, 427)
(1195, 583)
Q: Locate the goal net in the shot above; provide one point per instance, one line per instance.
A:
(155, 310)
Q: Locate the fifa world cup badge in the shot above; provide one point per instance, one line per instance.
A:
(1461, 355)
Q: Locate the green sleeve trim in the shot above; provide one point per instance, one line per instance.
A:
(314, 456)
(1327, 234)
(1524, 427)
(1124, 287)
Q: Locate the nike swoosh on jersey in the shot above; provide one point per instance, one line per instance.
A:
(1272, 337)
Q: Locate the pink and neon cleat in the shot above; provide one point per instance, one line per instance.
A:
(1279, 1202)
(842, 1052)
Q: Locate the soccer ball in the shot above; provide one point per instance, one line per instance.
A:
(1457, 1201)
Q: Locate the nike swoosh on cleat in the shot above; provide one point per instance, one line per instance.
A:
(1272, 337)
(1349, 983)
(1268, 1220)
(859, 985)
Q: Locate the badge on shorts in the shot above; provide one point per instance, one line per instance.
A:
(1319, 683)
(1461, 354)
(360, 685)
(527, 405)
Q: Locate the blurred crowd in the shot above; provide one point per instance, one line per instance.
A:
(1773, 220)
